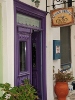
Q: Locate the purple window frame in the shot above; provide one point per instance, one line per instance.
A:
(39, 14)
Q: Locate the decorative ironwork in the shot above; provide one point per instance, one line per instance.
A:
(69, 2)
(58, 0)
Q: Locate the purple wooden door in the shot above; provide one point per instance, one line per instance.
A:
(29, 54)
(24, 56)
(36, 61)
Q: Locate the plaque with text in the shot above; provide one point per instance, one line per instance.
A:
(62, 17)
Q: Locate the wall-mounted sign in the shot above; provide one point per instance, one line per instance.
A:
(62, 17)
(56, 49)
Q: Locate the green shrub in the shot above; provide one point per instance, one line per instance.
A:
(23, 92)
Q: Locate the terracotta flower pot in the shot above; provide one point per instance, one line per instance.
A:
(61, 90)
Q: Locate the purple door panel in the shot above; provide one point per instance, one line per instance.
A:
(28, 55)
(36, 61)
(24, 42)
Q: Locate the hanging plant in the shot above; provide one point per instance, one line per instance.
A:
(36, 3)
(32, 0)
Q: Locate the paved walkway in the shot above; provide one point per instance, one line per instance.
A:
(71, 96)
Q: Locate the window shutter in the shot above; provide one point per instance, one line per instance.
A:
(65, 45)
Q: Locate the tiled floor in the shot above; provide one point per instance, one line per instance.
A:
(71, 96)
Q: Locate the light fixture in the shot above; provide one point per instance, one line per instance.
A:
(37, 2)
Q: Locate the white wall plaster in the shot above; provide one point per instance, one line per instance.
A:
(8, 41)
(51, 34)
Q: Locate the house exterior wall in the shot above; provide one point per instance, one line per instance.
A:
(8, 41)
(8, 44)
(73, 48)
(1, 59)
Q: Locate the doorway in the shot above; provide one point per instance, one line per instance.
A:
(37, 61)
(29, 48)
(28, 22)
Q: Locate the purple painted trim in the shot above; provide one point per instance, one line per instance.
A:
(22, 29)
(36, 13)
(24, 8)
(30, 27)
(44, 59)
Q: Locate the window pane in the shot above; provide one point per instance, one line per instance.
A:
(22, 56)
(65, 45)
(27, 20)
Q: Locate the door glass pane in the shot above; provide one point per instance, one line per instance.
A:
(34, 54)
(22, 56)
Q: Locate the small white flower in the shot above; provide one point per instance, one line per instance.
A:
(7, 96)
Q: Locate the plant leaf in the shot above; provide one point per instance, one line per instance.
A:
(32, 0)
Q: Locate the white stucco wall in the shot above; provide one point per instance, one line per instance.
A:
(8, 41)
(1, 53)
(49, 56)
(73, 48)
(42, 5)
(51, 34)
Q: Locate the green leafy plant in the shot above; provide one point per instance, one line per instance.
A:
(35, 1)
(63, 76)
(23, 92)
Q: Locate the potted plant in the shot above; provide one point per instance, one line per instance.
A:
(24, 92)
(61, 87)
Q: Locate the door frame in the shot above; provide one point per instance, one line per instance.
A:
(39, 14)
